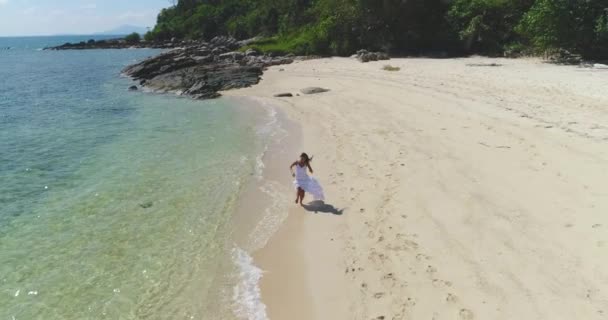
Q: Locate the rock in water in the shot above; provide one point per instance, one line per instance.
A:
(313, 90)
(285, 94)
(133, 88)
(146, 205)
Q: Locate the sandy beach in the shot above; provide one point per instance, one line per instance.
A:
(454, 191)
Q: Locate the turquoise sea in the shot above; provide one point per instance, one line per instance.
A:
(115, 204)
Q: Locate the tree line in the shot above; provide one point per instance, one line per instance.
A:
(340, 27)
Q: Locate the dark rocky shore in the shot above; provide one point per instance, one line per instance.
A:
(203, 69)
(116, 44)
(196, 69)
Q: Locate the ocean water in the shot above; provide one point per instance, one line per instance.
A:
(116, 204)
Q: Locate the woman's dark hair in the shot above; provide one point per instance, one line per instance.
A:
(306, 157)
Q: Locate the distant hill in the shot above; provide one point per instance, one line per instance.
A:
(125, 29)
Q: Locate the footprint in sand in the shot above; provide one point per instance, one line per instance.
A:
(441, 283)
(410, 302)
(388, 276)
(410, 244)
(466, 314)
(451, 298)
(378, 295)
(595, 226)
(421, 257)
(431, 269)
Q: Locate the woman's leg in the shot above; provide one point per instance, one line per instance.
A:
(302, 194)
(298, 195)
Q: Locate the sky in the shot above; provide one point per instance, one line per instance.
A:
(50, 17)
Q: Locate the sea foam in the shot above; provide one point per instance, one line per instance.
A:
(247, 297)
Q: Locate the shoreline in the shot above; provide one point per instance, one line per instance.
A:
(467, 192)
(282, 253)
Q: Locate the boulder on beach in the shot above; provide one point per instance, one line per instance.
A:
(285, 94)
(133, 88)
(366, 56)
(313, 90)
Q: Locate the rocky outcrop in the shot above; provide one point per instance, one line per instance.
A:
(116, 44)
(366, 56)
(202, 70)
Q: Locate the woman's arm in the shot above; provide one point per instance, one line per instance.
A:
(309, 167)
(291, 168)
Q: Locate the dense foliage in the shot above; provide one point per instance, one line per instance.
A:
(399, 26)
(133, 38)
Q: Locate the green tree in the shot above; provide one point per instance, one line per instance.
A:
(133, 38)
(487, 25)
(575, 25)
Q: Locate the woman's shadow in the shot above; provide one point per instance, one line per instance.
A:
(320, 206)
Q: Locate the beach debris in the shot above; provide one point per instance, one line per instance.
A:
(388, 67)
(484, 64)
(284, 94)
(146, 205)
(133, 88)
(366, 56)
(497, 147)
(313, 90)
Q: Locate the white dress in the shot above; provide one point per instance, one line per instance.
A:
(308, 183)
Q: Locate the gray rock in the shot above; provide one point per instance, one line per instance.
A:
(251, 53)
(133, 88)
(234, 56)
(203, 59)
(313, 90)
(247, 42)
(366, 56)
(286, 94)
(201, 70)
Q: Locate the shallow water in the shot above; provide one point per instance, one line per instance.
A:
(114, 204)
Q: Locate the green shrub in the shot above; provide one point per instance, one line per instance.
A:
(579, 26)
(133, 38)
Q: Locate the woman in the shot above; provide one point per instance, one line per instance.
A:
(303, 182)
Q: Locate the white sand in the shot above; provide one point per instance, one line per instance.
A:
(469, 192)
